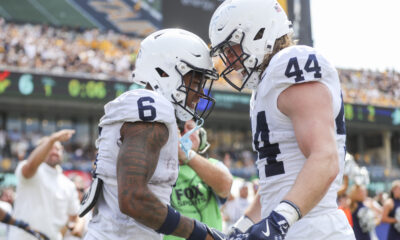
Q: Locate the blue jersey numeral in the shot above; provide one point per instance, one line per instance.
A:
(148, 108)
(293, 68)
(339, 120)
(268, 150)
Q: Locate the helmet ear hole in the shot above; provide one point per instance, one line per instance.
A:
(259, 34)
(161, 72)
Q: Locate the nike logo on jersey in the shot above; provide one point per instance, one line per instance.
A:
(266, 233)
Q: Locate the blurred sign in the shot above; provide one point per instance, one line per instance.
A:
(54, 87)
(372, 114)
(38, 86)
(134, 17)
(192, 15)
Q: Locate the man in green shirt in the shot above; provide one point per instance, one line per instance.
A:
(202, 182)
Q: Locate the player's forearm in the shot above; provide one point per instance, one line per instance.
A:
(314, 180)
(143, 206)
(146, 208)
(218, 179)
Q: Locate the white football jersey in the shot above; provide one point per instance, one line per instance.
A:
(279, 157)
(138, 105)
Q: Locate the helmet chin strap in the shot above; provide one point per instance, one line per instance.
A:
(185, 142)
(182, 114)
(253, 80)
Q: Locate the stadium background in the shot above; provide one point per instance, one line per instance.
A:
(40, 94)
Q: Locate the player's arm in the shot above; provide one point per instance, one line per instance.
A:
(219, 179)
(251, 215)
(309, 106)
(253, 212)
(387, 207)
(137, 161)
(38, 156)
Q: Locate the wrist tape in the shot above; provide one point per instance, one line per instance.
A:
(171, 221)
(289, 211)
(199, 231)
(191, 155)
(243, 224)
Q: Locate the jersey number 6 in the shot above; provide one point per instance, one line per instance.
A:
(146, 112)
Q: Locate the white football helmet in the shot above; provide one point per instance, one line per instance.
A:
(165, 57)
(254, 25)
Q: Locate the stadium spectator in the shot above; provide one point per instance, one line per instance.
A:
(234, 209)
(78, 230)
(202, 182)
(59, 50)
(43, 192)
(363, 218)
(391, 211)
(370, 87)
(104, 55)
(6, 207)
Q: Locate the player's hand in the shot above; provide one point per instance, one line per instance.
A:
(63, 135)
(241, 226)
(215, 234)
(274, 227)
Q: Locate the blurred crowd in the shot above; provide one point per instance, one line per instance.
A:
(371, 87)
(15, 146)
(109, 55)
(104, 55)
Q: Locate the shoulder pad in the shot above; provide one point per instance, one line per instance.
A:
(139, 105)
(298, 64)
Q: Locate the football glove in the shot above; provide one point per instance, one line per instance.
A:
(217, 235)
(274, 227)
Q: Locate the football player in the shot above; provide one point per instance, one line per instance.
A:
(297, 119)
(137, 162)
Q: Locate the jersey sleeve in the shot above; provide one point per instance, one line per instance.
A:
(299, 64)
(138, 106)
